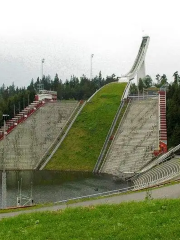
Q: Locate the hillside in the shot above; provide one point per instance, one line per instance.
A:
(81, 148)
(151, 219)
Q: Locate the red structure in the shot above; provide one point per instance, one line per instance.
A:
(162, 124)
(162, 127)
(20, 117)
(40, 99)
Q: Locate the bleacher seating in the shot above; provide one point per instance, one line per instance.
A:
(159, 174)
(20, 117)
(30, 140)
(135, 140)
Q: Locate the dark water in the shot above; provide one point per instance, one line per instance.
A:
(53, 186)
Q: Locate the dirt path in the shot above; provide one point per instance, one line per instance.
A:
(172, 191)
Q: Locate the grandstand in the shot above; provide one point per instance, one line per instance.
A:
(139, 148)
(159, 173)
(20, 117)
(136, 139)
(36, 129)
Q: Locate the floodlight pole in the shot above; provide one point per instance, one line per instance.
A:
(42, 67)
(4, 186)
(92, 55)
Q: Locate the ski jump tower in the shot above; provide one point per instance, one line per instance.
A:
(138, 67)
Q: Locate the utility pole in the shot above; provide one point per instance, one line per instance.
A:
(4, 187)
(92, 55)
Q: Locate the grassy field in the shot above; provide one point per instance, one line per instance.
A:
(147, 220)
(81, 148)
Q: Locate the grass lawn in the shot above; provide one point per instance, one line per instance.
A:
(147, 220)
(81, 148)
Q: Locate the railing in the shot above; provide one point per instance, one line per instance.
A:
(104, 148)
(137, 97)
(22, 118)
(126, 91)
(122, 119)
(160, 159)
(122, 190)
(156, 182)
(103, 194)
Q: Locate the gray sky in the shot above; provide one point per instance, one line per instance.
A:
(67, 32)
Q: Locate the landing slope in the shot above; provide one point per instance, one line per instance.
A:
(82, 146)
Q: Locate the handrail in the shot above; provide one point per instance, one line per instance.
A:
(160, 159)
(101, 155)
(117, 191)
(157, 181)
(122, 119)
(103, 150)
(126, 90)
(22, 118)
(104, 194)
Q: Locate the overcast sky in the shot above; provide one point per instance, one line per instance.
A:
(66, 32)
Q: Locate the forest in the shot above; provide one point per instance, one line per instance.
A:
(13, 99)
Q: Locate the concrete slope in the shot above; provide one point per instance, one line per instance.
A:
(135, 140)
(24, 147)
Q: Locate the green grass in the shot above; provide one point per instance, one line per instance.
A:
(147, 220)
(81, 148)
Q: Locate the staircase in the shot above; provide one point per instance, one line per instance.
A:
(162, 127)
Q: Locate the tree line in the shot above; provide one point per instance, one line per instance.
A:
(14, 99)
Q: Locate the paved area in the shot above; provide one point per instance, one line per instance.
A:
(170, 192)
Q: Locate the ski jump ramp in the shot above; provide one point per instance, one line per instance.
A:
(138, 67)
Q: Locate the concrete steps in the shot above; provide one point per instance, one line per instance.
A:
(135, 140)
(159, 174)
(29, 141)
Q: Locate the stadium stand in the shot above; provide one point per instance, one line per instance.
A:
(135, 140)
(161, 173)
(27, 143)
